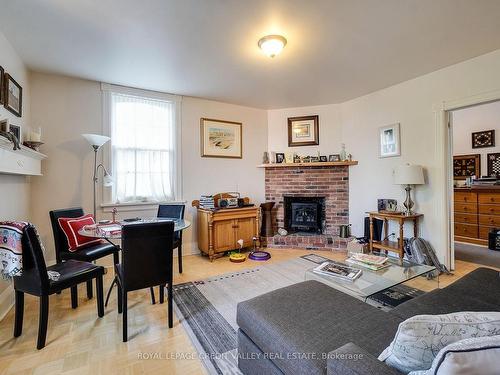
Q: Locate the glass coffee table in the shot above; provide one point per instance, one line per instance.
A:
(372, 282)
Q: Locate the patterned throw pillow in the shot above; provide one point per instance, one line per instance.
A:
(420, 338)
(71, 226)
(477, 355)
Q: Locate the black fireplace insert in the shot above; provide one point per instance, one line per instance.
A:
(304, 214)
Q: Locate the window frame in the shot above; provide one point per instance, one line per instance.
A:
(107, 200)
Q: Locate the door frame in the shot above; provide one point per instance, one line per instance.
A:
(444, 157)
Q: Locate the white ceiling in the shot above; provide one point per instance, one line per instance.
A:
(337, 49)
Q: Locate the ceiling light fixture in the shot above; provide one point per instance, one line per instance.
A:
(272, 45)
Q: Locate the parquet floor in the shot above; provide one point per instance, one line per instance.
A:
(78, 342)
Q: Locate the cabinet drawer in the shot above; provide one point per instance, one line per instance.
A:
(466, 230)
(483, 232)
(465, 218)
(465, 197)
(466, 208)
(487, 198)
(489, 209)
(492, 220)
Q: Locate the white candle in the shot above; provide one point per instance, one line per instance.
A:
(36, 135)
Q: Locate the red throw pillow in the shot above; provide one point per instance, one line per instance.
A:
(71, 226)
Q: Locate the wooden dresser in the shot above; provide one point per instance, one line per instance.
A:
(219, 231)
(477, 210)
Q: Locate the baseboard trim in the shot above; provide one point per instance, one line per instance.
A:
(6, 301)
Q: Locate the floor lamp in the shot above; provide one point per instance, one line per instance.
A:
(97, 141)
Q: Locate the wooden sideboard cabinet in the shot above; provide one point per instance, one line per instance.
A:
(219, 231)
(476, 211)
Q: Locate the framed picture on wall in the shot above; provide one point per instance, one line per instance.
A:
(303, 131)
(493, 164)
(389, 141)
(466, 166)
(2, 89)
(221, 139)
(13, 95)
(484, 138)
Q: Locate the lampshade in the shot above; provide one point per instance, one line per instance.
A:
(409, 175)
(107, 180)
(96, 140)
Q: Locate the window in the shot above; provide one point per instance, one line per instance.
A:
(144, 151)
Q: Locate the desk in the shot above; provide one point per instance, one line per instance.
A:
(385, 244)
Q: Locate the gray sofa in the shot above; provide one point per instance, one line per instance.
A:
(311, 328)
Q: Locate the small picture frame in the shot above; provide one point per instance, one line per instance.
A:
(2, 78)
(389, 141)
(334, 157)
(16, 130)
(13, 95)
(280, 157)
(4, 125)
(314, 159)
(303, 131)
(323, 158)
(485, 138)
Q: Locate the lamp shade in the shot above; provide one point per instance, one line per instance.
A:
(96, 140)
(409, 175)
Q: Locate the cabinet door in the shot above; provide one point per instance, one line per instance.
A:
(246, 230)
(224, 235)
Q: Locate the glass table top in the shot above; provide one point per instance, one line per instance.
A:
(372, 282)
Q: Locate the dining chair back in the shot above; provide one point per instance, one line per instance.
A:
(174, 211)
(60, 240)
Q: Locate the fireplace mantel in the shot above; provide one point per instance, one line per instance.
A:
(310, 165)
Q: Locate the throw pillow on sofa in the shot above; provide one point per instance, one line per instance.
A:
(420, 338)
(71, 226)
(478, 355)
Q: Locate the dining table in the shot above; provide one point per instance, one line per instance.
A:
(111, 232)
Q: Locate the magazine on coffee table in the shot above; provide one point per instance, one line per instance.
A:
(338, 270)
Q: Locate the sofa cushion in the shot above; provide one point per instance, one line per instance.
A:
(303, 322)
(477, 291)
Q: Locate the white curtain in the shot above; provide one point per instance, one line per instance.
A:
(143, 143)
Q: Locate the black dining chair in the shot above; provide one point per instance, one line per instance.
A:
(174, 211)
(147, 258)
(35, 281)
(87, 254)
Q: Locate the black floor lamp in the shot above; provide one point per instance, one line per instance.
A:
(97, 141)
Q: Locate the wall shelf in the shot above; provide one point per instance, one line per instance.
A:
(22, 162)
(310, 165)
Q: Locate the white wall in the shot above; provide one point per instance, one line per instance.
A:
(14, 190)
(67, 107)
(473, 119)
(412, 104)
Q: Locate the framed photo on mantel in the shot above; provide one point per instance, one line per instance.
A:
(13, 99)
(303, 131)
(221, 139)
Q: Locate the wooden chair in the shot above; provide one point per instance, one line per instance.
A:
(35, 281)
(147, 261)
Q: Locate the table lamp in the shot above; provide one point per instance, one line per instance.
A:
(409, 175)
(97, 141)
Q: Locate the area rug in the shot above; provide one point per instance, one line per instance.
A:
(207, 308)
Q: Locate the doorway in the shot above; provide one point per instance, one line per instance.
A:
(474, 181)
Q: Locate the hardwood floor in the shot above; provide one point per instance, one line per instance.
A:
(78, 342)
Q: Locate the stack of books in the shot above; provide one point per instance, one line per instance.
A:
(207, 202)
(372, 262)
(338, 270)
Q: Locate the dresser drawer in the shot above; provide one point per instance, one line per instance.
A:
(487, 198)
(465, 218)
(489, 209)
(483, 232)
(466, 208)
(492, 220)
(465, 197)
(466, 230)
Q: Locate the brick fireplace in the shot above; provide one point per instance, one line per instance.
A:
(321, 196)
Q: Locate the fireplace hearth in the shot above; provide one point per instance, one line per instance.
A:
(304, 214)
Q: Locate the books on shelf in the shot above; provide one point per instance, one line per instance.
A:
(338, 270)
(207, 202)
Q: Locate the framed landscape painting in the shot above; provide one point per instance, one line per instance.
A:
(303, 131)
(221, 139)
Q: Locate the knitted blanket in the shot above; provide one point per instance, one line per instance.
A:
(11, 249)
